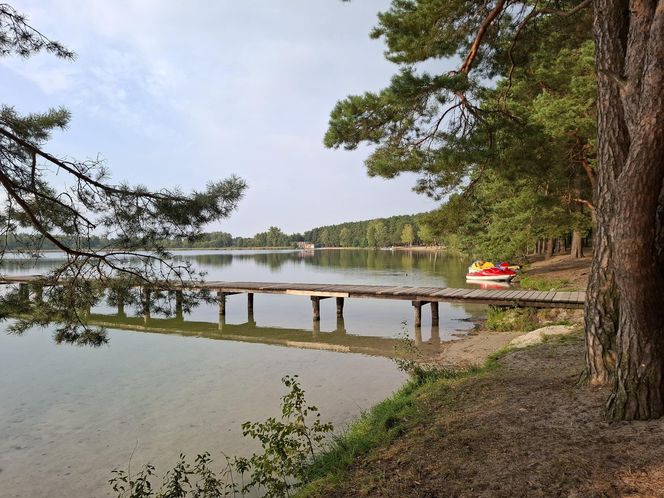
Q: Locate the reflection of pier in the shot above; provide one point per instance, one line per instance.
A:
(419, 296)
(338, 340)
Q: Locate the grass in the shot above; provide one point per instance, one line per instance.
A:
(383, 423)
(500, 319)
(393, 418)
(506, 319)
(544, 284)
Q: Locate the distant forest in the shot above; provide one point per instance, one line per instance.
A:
(404, 230)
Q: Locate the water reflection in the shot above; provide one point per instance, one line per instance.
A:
(330, 266)
(339, 339)
(392, 263)
(399, 262)
(69, 415)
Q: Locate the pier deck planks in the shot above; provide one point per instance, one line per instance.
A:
(510, 297)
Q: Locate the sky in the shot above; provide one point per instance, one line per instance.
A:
(184, 92)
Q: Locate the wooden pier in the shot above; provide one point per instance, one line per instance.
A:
(418, 296)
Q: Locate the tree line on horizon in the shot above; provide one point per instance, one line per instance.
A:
(400, 230)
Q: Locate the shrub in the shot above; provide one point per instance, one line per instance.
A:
(288, 445)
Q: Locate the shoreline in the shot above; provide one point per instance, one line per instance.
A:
(393, 439)
(520, 425)
(258, 248)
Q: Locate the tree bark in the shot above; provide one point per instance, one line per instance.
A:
(630, 57)
(548, 251)
(602, 300)
(601, 311)
(639, 390)
(577, 245)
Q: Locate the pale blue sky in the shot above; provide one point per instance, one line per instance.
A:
(180, 92)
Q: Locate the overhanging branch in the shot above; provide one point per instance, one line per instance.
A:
(81, 176)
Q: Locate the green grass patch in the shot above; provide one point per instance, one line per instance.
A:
(383, 423)
(544, 284)
(395, 417)
(506, 319)
(501, 319)
(571, 338)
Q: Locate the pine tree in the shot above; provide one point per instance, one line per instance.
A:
(89, 205)
(428, 123)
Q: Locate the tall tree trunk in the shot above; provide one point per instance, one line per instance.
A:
(639, 391)
(630, 57)
(602, 300)
(601, 308)
(548, 251)
(577, 245)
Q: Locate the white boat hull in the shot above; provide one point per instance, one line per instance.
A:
(491, 285)
(489, 278)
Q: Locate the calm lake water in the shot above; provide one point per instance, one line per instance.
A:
(70, 415)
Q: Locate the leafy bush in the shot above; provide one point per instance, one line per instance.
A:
(288, 446)
(410, 359)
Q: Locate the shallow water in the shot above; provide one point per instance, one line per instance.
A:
(69, 415)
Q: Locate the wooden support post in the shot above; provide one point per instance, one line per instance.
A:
(315, 305)
(418, 336)
(434, 312)
(340, 307)
(250, 303)
(178, 304)
(316, 328)
(418, 312)
(435, 335)
(221, 299)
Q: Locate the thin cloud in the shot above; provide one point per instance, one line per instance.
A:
(176, 92)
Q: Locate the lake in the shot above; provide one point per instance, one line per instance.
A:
(69, 415)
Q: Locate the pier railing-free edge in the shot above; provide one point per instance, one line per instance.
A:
(419, 296)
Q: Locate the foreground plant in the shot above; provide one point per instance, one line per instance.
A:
(288, 445)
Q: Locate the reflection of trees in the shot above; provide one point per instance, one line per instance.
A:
(273, 260)
(452, 268)
(29, 265)
(431, 263)
(209, 259)
(397, 261)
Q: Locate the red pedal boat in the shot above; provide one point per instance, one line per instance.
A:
(495, 274)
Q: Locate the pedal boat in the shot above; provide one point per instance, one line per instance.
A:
(495, 274)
